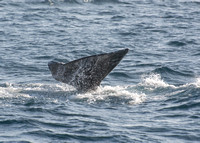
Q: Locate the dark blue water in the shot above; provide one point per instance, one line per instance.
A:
(153, 95)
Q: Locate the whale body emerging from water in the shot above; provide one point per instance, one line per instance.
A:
(88, 72)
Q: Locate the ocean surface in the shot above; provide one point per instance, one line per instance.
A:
(153, 95)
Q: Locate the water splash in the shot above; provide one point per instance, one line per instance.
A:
(132, 94)
(113, 94)
(10, 91)
(63, 92)
(154, 81)
(197, 82)
(35, 90)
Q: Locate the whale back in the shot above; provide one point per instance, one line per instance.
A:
(88, 72)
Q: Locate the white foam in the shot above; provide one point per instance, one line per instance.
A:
(196, 83)
(154, 81)
(11, 92)
(56, 92)
(119, 92)
(131, 94)
(26, 90)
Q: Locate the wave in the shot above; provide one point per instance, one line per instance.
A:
(151, 87)
(190, 1)
(119, 74)
(167, 70)
(182, 42)
(182, 100)
(182, 97)
(52, 2)
(176, 43)
(34, 93)
(63, 93)
(175, 76)
(155, 81)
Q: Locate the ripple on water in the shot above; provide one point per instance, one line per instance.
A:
(176, 43)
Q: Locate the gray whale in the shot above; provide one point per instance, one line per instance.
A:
(88, 72)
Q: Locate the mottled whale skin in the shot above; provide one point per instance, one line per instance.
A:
(88, 72)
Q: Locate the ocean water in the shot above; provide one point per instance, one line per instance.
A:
(153, 95)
